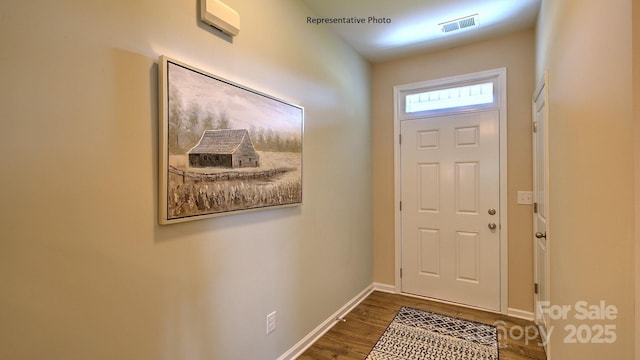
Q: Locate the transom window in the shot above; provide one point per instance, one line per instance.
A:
(454, 97)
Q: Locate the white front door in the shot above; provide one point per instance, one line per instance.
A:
(450, 192)
(541, 206)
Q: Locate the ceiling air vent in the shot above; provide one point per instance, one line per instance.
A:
(459, 24)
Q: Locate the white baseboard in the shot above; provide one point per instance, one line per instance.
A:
(325, 326)
(384, 288)
(521, 314)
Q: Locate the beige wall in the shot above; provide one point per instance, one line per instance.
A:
(85, 270)
(516, 52)
(591, 166)
(636, 143)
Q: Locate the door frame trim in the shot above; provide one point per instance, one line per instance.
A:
(500, 75)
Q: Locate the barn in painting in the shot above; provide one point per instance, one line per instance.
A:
(224, 148)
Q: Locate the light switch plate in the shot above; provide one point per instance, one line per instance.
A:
(525, 197)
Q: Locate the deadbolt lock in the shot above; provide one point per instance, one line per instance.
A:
(492, 211)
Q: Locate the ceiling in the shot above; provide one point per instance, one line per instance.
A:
(411, 26)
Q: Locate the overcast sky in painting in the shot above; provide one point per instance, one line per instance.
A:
(244, 108)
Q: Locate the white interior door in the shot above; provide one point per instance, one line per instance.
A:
(541, 205)
(450, 191)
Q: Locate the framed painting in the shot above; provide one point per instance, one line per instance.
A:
(224, 148)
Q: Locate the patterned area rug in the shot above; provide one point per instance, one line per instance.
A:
(418, 334)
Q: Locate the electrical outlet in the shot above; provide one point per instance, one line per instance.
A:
(271, 323)
(525, 197)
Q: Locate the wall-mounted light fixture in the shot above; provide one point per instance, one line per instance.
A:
(221, 16)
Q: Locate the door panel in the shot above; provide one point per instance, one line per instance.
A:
(428, 186)
(467, 256)
(467, 187)
(429, 249)
(449, 181)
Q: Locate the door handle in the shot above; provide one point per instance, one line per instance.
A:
(492, 226)
(540, 235)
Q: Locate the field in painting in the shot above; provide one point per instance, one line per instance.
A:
(192, 191)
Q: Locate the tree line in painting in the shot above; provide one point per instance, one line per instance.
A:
(186, 125)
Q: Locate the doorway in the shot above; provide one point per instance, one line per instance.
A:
(451, 190)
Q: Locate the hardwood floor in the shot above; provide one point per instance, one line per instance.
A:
(355, 337)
